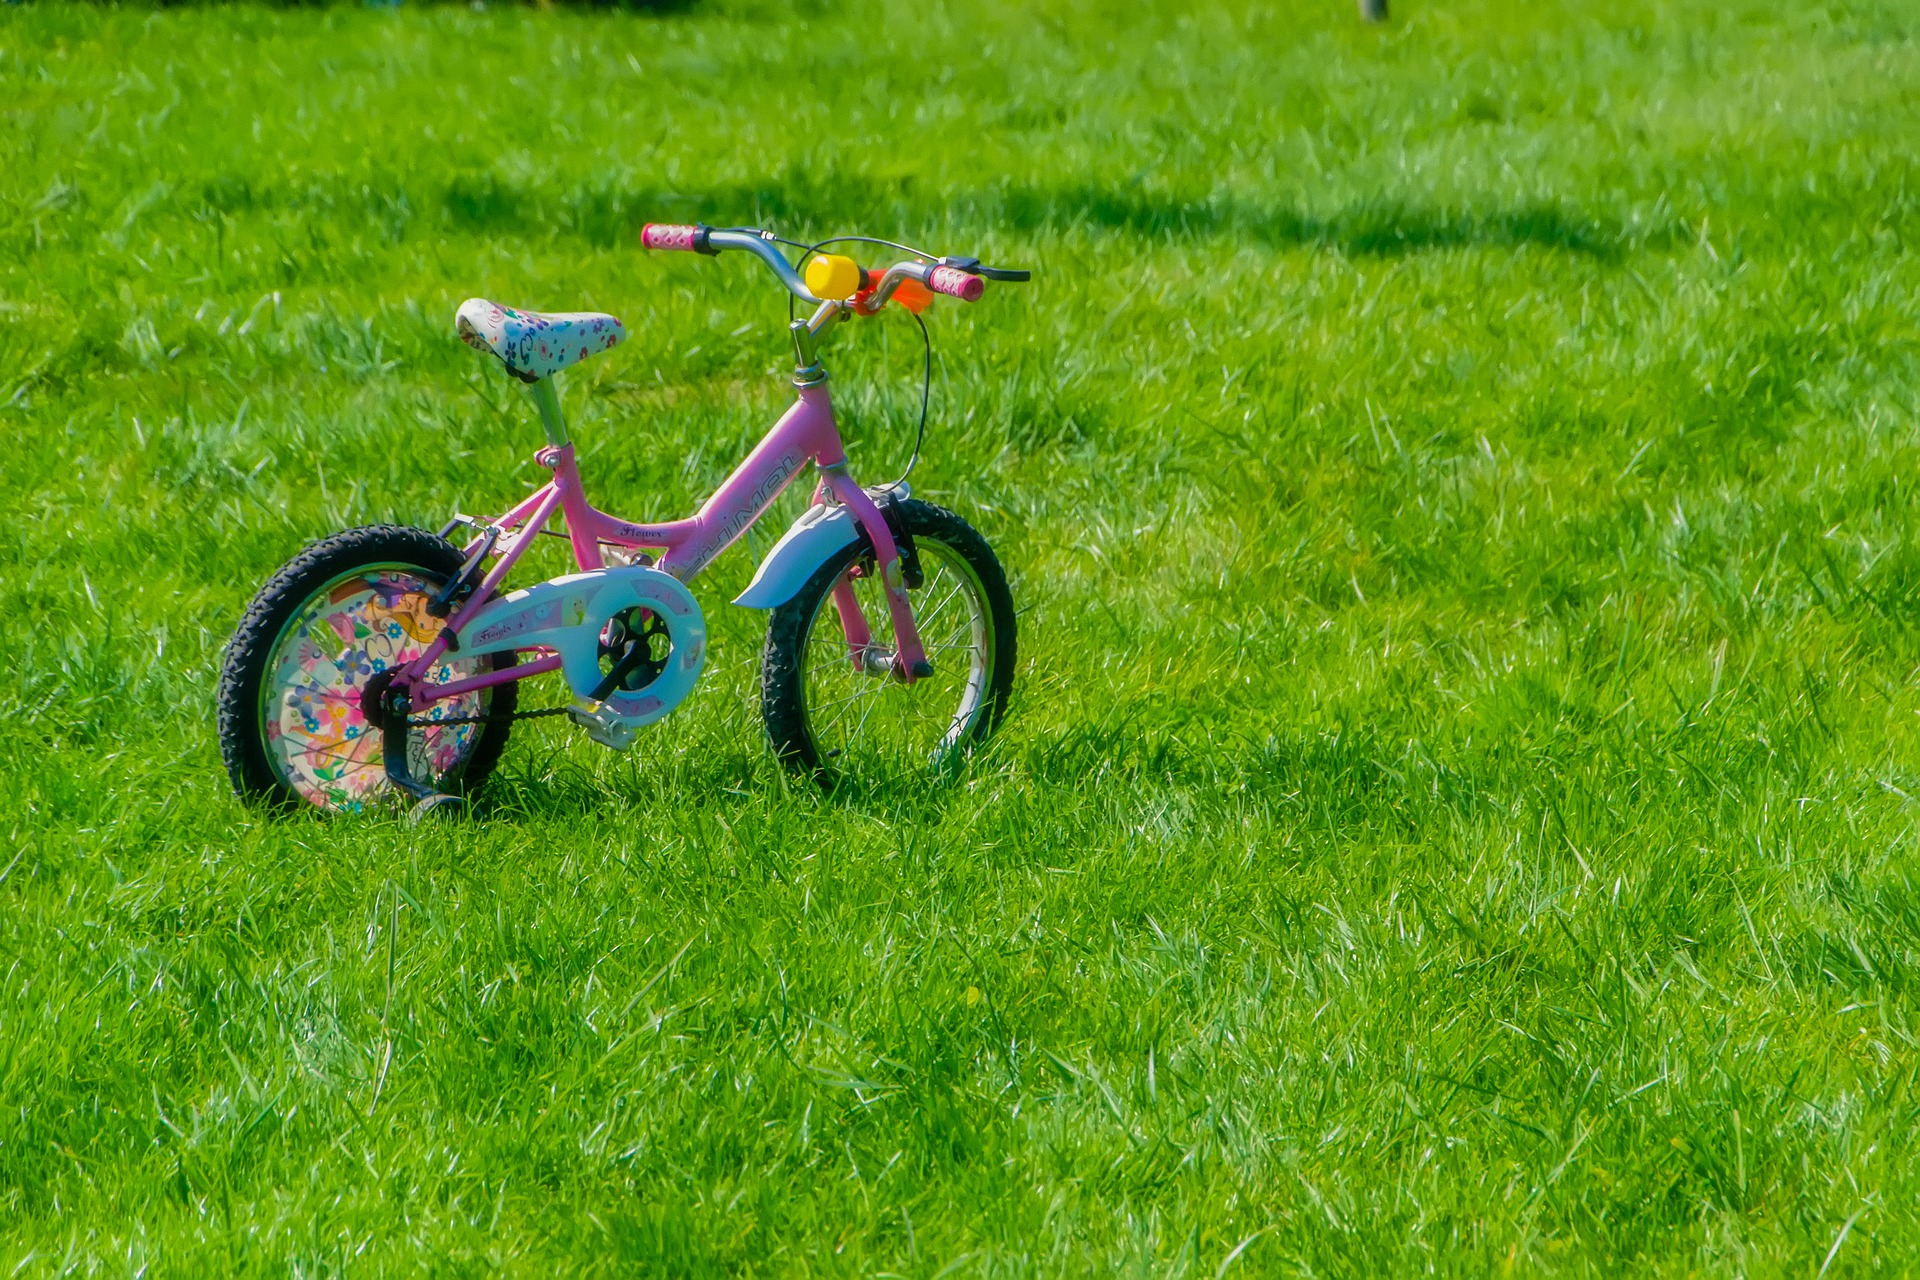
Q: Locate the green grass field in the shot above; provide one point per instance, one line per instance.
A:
(1458, 811)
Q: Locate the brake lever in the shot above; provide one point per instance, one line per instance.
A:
(972, 266)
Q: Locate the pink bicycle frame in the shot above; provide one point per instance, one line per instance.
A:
(806, 433)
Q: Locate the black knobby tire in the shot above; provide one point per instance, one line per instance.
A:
(241, 714)
(799, 636)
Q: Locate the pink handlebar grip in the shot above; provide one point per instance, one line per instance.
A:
(664, 235)
(956, 283)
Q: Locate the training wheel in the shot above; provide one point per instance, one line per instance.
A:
(436, 806)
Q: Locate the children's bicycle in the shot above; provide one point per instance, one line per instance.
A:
(386, 661)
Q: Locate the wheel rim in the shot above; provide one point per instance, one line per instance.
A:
(871, 723)
(360, 624)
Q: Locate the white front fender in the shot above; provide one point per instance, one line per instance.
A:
(813, 539)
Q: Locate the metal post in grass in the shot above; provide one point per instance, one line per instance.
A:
(1373, 10)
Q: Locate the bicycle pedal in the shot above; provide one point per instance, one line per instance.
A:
(601, 724)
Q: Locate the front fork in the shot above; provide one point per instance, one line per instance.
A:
(909, 659)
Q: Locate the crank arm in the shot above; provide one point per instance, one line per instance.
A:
(636, 657)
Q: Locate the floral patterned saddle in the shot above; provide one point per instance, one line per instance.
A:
(532, 344)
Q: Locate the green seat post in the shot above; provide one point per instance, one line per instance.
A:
(548, 401)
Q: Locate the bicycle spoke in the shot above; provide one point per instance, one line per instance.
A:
(871, 704)
(351, 698)
(835, 723)
(353, 754)
(958, 587)
(856, 695)
(920, 720)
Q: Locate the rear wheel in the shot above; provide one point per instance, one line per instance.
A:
(337, 618)
(831, 712)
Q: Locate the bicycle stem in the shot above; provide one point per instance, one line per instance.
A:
(807, 371)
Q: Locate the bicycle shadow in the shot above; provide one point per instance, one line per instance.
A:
(558, 786)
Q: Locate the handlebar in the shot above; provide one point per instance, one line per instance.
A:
(956, 283)
(667, 235)
(700, 238)
(962, 278)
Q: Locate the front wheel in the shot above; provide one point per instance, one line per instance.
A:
(831, 711)
(292, 700)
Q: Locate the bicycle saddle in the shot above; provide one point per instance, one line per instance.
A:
(532, 344)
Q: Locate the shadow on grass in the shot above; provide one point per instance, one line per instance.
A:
(1379, 228)
(802, 203)
(573, 793)
(662, 7)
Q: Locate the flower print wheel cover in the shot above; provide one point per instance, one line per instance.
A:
(318, 739)
(349, 607)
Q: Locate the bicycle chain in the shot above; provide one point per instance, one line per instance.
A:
(518, 715)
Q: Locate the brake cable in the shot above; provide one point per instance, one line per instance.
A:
(926, 336)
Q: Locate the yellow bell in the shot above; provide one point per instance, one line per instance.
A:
(832, 277)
